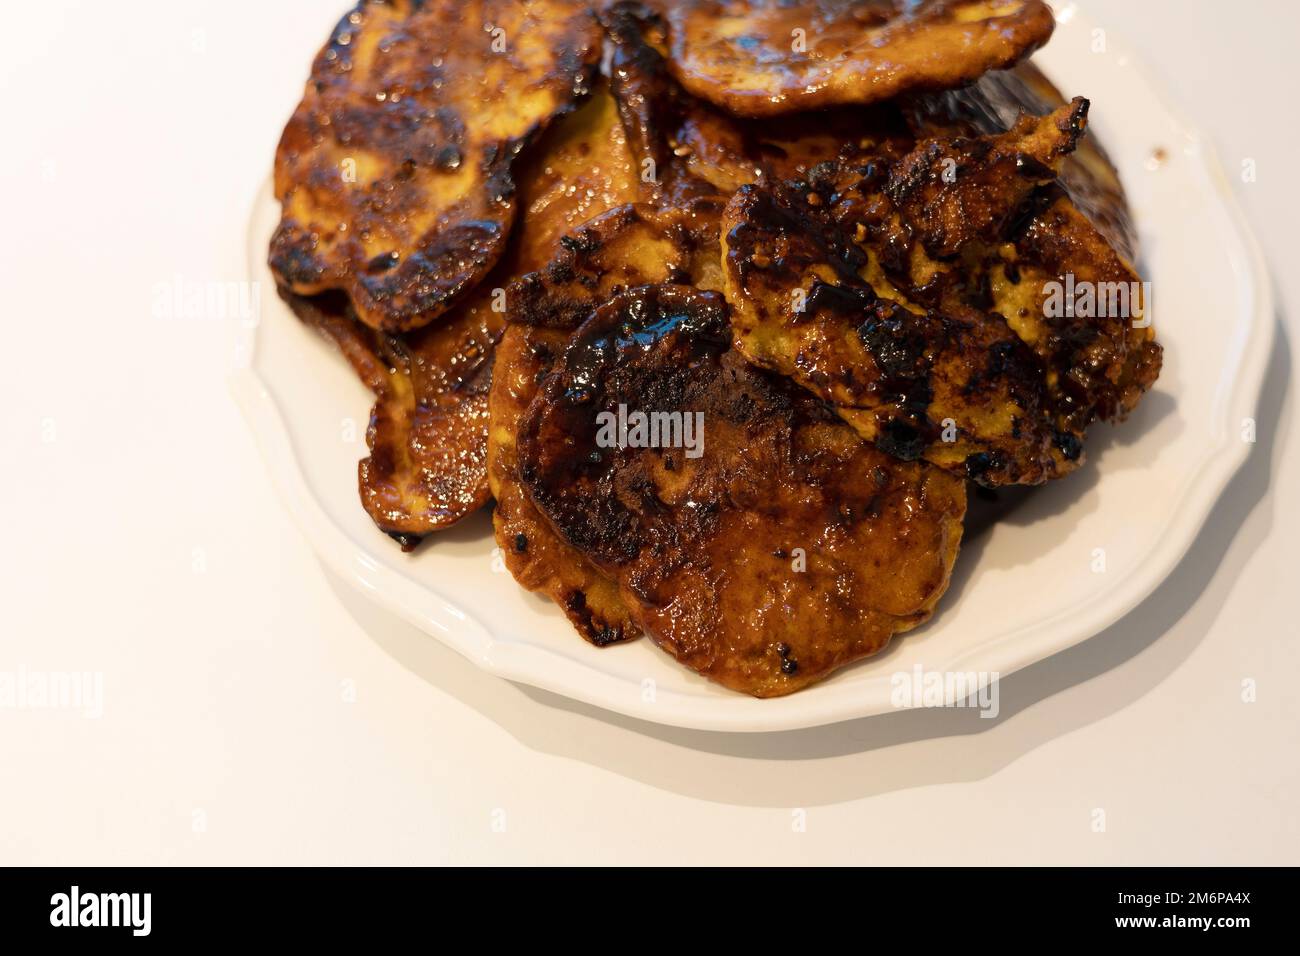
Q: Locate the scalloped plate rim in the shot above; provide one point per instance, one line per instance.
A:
(533, 665)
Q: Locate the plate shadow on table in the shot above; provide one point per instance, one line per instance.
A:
(910, 748)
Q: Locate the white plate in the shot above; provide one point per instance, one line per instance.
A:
(1025, 587)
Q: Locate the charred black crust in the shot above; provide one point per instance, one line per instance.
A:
(409, 542)
(439, 265)
(680, 544)
(902, 440)
(948, 342)
(779, 233)
(1071, 446)
(651, 104)
(783, 209)
(584, 272)
(895, 341)
(598, 632)
(644, 349)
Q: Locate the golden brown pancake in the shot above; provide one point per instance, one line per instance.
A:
(587, 168)
(773, 57)
(428, 428)
(396, 171)
(780, 548)
(693, 148)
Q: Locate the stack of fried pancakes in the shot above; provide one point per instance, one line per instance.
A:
(829, 229)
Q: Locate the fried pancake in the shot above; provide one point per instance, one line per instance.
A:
(1076, 232)
(651, 105)
(957, 243)
(395, 173)
(428, 433)
(1099, 365)
(428, 428)
(693, 148)
(536, 556)
(960, 390)
(994, 104)
(587, 169)
(629, 245)
(951, 191)
(827, 290)
(697, 151)
(581, 167)
(772, 57)
(785, 549)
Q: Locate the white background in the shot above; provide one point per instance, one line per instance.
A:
(141, 539)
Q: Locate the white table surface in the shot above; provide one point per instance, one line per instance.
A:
(142, 540)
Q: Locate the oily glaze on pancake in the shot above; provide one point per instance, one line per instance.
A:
(901, 290)
(833, 282)
(696, 152)
(633, 244)
(427, 434)
(780, 548)
(686, 147)
(772, 57)
(536, 556)
(504, 244)
(994, 103)
(1077, 231)
(629, 245)
(587, 169)
(395, 173)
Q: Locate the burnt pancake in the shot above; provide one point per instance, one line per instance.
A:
(536, 556)
(697, 153)
(908, 291)
(773, 57)
(428, 433)
(586, 169)
(993, 105)
(428, 428)
(396, 172)
(1079, 231)
(688, 147)
(629, 245)
(828, 323)
(774, 549)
